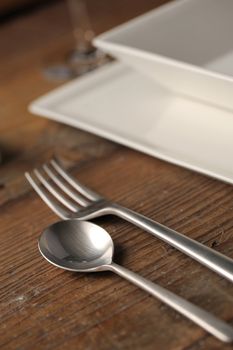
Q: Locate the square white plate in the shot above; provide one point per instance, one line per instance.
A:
(185, 45)
(122, 105)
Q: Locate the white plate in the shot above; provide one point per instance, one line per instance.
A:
(185, 45)
(124, 106)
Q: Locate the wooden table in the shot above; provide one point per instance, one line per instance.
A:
(43, 307)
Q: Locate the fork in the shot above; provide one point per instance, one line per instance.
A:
(70, 199)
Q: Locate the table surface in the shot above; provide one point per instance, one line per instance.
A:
(43, 307)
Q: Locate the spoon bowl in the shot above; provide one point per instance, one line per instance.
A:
(77, 246)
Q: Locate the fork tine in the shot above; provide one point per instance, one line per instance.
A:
(75, 183)
(74, 195)
(65, 201)
(57, 209)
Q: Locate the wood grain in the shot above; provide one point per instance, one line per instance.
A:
(43, 307)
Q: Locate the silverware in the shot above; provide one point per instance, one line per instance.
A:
(84, 204)
(85, 247)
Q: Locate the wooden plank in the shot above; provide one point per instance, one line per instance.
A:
(43, 307)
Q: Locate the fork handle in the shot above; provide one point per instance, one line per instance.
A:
(209, 322)
(214, 260)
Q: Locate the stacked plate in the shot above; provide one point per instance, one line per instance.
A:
(171, 92)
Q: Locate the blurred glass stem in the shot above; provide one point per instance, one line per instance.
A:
(83, 32)
(84, 57)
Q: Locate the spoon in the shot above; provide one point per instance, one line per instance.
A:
(85, 247)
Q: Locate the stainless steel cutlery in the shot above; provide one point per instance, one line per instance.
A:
(70, 199)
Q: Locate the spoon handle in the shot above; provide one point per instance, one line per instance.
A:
(210, 323)
(214, 260)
